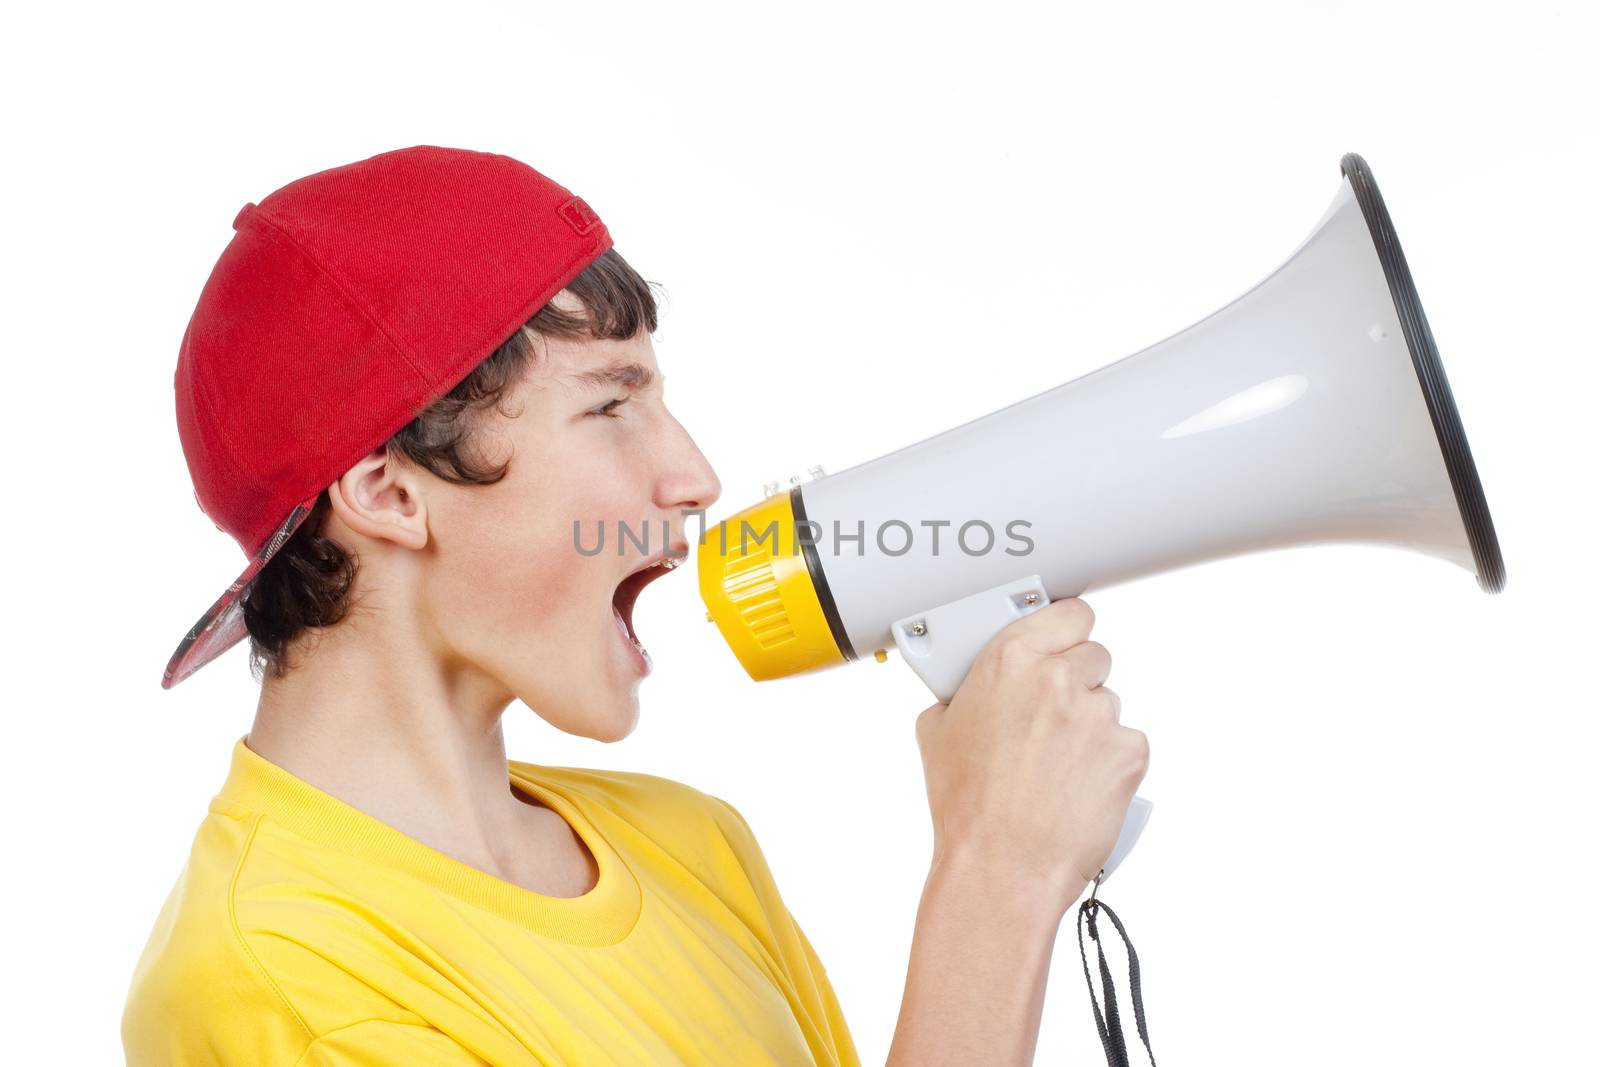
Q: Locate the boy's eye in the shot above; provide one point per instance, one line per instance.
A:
(609, 408)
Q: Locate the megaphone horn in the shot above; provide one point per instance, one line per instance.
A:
(1313, 408)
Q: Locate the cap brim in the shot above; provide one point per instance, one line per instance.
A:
(222, 626)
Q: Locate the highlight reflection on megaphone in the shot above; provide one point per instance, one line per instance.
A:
(1311, 409)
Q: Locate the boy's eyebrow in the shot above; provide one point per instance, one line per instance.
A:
(626, 374)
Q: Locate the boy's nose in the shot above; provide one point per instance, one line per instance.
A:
(701, 487)
(692, 483)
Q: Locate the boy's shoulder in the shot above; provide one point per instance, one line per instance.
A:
(696, 826)
(647, 801)
(195, 969)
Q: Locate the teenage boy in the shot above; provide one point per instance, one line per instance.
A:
(405, 381)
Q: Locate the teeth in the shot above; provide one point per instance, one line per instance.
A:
(671, 563)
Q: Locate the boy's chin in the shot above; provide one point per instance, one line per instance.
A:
(616, 732)
(615, 727)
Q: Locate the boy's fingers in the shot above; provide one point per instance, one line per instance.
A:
(1091, 663)
(1054, 628)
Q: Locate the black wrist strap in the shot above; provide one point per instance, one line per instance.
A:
(1110, 1024)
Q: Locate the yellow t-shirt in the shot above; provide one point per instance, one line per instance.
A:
(304, 933)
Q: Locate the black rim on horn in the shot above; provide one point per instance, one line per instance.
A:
(1430, 373)
(819, 580)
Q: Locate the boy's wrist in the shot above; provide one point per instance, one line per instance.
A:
(1025, 891)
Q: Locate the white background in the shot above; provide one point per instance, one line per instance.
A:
(1374, 832)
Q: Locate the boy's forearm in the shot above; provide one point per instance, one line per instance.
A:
(980, 958)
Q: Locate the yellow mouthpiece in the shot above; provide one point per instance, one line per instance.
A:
(758, 590)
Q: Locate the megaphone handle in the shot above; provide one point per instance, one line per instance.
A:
(1132, 826)
(942, 643)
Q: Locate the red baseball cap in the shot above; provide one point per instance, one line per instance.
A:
(345, 304)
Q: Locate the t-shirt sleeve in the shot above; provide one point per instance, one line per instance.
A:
(787, 941)
(385, 1043)
(832, 1016)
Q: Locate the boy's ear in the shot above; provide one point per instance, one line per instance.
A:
(382, 499)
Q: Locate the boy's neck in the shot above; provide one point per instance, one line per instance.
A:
(390, 735)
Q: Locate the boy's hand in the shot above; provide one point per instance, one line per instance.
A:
(1029, 771)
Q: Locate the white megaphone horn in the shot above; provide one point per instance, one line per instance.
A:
(1311, 409)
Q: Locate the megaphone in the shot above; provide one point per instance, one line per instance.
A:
(1313, 408)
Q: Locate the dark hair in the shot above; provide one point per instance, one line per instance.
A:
(306, 585)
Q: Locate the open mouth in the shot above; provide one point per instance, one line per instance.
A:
(627, 594)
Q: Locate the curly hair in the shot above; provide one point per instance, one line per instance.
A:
(306, 585)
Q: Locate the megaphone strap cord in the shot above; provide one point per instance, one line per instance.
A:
(1109, 1024)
